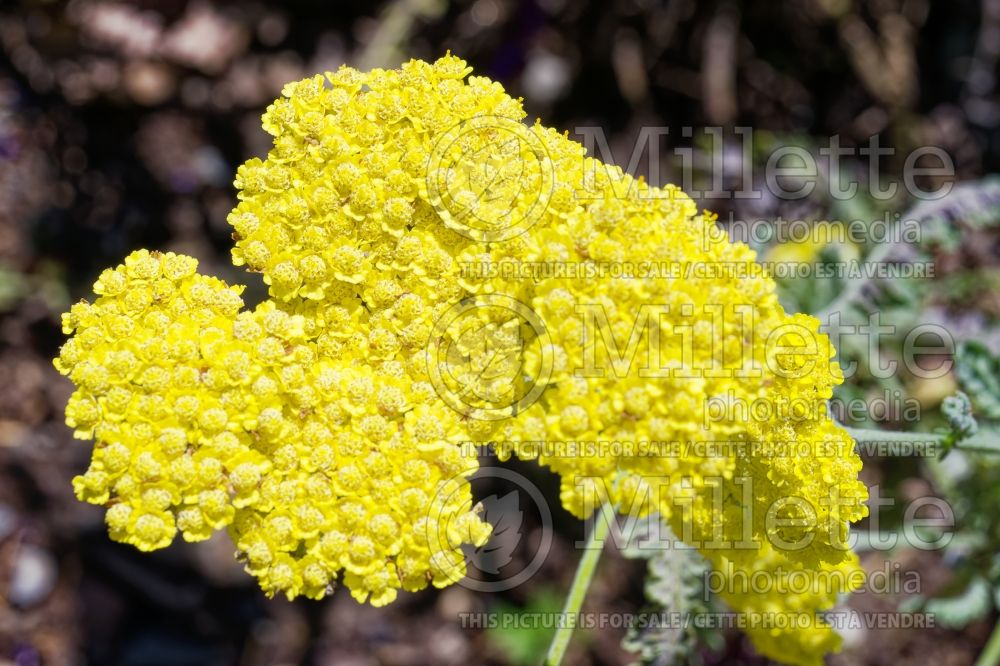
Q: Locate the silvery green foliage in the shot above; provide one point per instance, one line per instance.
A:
(957, 411)
(675, 592)
(978, 372)
(976, 205)
(973, 603)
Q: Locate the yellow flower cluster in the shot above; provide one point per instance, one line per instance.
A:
(440, 272)
(638, 360)
(209, 417)
(155, 394)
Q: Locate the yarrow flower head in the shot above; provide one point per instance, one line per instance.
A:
(208, 416)
(441, 273)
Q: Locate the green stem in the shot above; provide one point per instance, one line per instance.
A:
(581, 581)
(991, 653)
(875, 435)
(982, 442)
(393, 28)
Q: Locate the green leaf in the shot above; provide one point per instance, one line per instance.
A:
(957, 410)
(674, 584)
(13, 287)
(974, 603)
(523, 641)
(978, 372)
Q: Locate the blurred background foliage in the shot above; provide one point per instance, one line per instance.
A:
(122, 123)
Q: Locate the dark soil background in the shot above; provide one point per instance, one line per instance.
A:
(121, 126)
